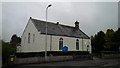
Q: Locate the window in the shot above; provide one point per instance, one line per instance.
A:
(60, 43)
(33, 38)
(87, 47)
(77, 44)
(28, 37)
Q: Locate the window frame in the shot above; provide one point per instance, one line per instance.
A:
(28, 37)
(60, 43)
(77, 44)
(33, 38)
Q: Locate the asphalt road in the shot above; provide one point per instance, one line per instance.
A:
(96, 62)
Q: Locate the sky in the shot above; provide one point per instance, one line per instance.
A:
(119, 14)
(93, 16)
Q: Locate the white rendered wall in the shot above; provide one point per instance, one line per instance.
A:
(37, 45)
(70, 42)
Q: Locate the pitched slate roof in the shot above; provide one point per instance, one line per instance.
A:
(58, 29)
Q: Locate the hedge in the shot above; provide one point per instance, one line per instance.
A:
(53, 53)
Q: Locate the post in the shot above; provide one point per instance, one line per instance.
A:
(46, 34)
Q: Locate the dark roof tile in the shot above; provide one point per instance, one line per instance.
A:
(58, 29)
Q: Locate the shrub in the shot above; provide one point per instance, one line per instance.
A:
(7, 50)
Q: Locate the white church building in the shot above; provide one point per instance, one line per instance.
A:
(58, 36)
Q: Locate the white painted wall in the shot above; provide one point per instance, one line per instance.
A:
(70, 42)
(39, 43)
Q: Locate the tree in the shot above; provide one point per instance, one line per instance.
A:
(98, 42)
(116, 40)
(7, 50)
(108, 39)
(15, 41)
(106, 42)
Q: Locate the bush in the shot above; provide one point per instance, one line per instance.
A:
(59, 53)
(7, 50)
(54, 53)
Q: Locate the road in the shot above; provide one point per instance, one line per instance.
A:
(96, 62)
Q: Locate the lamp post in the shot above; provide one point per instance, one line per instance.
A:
(46, 33)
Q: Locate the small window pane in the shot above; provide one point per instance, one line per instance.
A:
(60, 43)
(28, 37)
(77, 44)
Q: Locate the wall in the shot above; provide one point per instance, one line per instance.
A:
(37, 45)
(70, 43)
(41, 59)
(31, 60)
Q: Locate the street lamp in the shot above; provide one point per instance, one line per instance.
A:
(46, 33)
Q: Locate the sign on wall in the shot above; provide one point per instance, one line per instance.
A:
(65, 48)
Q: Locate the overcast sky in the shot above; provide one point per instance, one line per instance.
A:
(119, 14)
(93, 16)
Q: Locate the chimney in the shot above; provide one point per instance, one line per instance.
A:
(77, 24)
(30, 17)
(57, 23)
